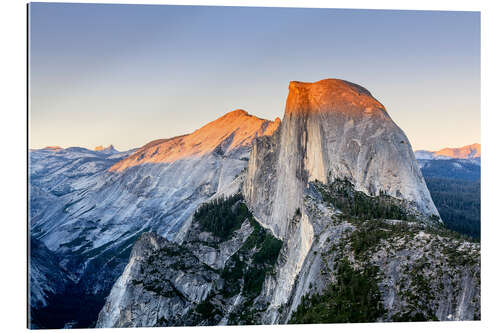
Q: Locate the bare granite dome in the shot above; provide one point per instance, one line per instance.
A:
(332, 129)
(330, 96)
(335, 129)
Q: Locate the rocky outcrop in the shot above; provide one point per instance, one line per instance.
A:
(145, 245)
(206, 280)
(421, 272)
(107, 150)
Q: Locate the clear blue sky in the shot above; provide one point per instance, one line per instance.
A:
(129, 74)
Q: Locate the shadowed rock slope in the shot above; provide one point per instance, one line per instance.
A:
(214, 277)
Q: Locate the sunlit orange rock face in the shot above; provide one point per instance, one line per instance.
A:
(332, 129)
(471, 151)
(234, 130)
(101, 148)
(329, 96)
(53, 148)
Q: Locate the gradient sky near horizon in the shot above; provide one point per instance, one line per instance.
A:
(129, 74)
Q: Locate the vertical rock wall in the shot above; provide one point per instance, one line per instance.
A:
(331, 129)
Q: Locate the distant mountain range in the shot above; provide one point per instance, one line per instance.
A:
(109, 150)
(466, 152)
(453, 177)
(462, 163)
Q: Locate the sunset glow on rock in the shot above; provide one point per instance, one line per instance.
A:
(233, 130)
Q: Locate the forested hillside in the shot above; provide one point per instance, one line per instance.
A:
(455, 187)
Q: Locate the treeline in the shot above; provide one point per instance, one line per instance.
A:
(459, 204)
(222, 216)
(452, 169)
(342, 195)
(353, 298)
(259, 252)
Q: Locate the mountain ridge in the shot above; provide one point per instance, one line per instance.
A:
(233, 130)
(472, 151)
(91, 217)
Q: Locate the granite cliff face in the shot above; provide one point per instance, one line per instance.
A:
(334, 194)
(332, 129)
